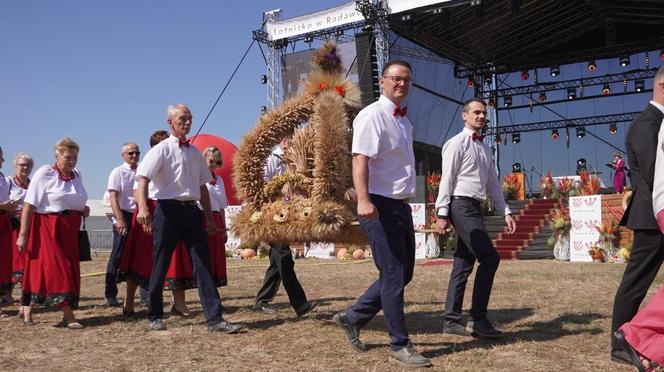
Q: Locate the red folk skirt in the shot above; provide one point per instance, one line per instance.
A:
(180, 274)
(6, 246)
(136, 260)
(52, 273)
(645, 332)
(18, 258)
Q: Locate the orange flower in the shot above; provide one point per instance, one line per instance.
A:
(340, 90)
(323, 86)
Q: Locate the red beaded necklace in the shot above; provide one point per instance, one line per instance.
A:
(20, 183)
(62, 175)
(214, 179)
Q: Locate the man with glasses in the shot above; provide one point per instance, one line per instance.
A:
(121, 195)
(384, 178)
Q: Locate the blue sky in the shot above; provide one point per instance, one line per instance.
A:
(104, 72)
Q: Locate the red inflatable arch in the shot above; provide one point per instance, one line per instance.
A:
(228, 151)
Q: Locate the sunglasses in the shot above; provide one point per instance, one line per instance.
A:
(134, 153)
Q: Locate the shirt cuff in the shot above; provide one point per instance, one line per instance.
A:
(443, 212)
(507, 210)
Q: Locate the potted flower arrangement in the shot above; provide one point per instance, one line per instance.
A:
(589, 183)
(564, 189)
(547, 185)
(609, 233)
(597, 253)
(510, 186)
(561, 224)
(433, 183)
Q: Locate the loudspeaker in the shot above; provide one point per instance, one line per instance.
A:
(367, 67)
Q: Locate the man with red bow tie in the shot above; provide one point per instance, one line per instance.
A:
(121, 196)
(468, 178)
(384, 178)
(178, 174)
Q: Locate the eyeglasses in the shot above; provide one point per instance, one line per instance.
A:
(133, 153)
(219, 163)
(399, 79)
(24, 165)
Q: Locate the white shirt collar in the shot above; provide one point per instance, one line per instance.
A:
(126, 165)
(658, 105)
(468, 131)
(387, 104)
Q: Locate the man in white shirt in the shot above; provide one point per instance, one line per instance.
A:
(282, 266)
(384, 178)
(643, 148)
(178, 174)
(468, 177)
(121, 197)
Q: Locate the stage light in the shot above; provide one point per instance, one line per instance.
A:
(581, 165)
(571, 93)
(555, 70)
(263, 110)
(281, 43)
(491, 102)
(554, 134)
(542, 97)
(580, 132)
(624, 61)
(661, 55)
(516, 138)
(606, 90)
(507, 101)
(308, 39)
(497, 139)
(367, 28)
(516, 168)
(338, 33)
(639, 85)
(592, 66)
(405, 17)
(471, 82)
(524, 75)
(263, 79)
(613, 128)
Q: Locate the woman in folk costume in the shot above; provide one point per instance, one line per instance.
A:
(23, 164)
(218, 203)
(7, 208)
(51, 218)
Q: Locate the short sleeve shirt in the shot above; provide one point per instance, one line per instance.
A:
(177, 172)
(121, 180)
(50, 194)
(387, 141)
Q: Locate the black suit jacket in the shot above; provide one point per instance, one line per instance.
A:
(641, 143)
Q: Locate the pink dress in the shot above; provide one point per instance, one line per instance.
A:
(645, 332)
(619, 176)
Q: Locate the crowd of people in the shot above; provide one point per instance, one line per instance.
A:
(169, 232)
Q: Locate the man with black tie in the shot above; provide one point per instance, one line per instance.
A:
(468, 177)
(178, 174)
(648, 246)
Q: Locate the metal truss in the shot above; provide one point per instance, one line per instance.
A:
(539, 87)
(376, 16)
(564, 123)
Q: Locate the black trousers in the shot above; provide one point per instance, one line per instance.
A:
(119, 241)
(173, 222)
(392, 240)
(644, 263)
(281, 269)
(473, 244)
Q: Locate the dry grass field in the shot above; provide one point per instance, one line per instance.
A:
(556, 316)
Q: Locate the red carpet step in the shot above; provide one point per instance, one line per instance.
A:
(529, 222)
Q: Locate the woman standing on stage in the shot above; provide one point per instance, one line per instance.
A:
(618, 165)
(218, 202)
(7, 208)
(51, 218)
(23, 164)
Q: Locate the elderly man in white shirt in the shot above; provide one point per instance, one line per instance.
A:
(468, 178)
(178, 173)
(121, 196)
(384, 178)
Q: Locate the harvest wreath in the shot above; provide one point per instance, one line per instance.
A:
(314, 199)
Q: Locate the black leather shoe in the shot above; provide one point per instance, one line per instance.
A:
(456, 329)
(156, 325)
(620, 356)
(409, 358)
(128, 315)
(310, 305)
(482, 328)
(224, 327)
(351, 331)
(264, 308)
(629, 350)
(113, 302)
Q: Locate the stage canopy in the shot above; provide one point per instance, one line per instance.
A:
(515, 35)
